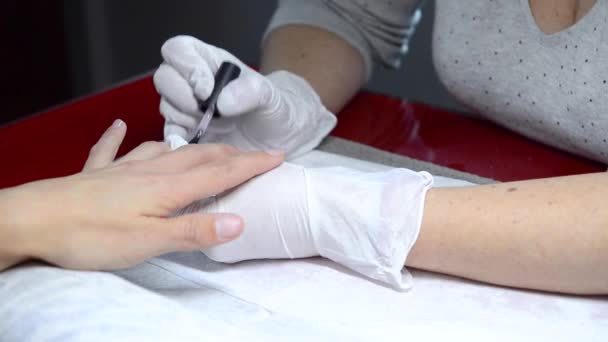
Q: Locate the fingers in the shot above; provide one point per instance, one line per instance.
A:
(192, 60)
(176, 116)
(216, 177)
(183, 52)
(145, 151)
(194, 231)
(192, 155)
(104, 151)
(173, 129)
(175, 89)
(176, 122)
(188, 74)
(197, 62)
(244, 95)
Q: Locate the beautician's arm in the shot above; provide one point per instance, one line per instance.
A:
(549, 234)
(116, 214)
(332, 67)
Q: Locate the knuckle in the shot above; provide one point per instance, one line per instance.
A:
(95, 149)
(190, 232)
(165, 109)
(163, 147)
(266, 91)
(175, 44)
(168, 45)
(130, 165)
(190, 147)
(225, 55)
(99, 148)
(183, 39)
(154, 146)
(158, 76)
(224, 149)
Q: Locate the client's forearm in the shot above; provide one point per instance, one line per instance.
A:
(549, 234)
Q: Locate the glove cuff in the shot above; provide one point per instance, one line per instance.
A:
(367, 222)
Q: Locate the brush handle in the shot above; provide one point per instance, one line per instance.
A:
(226, 73)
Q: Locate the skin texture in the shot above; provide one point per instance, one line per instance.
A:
(553, 16)
(547, 234)
(117, 213)
(332, 67)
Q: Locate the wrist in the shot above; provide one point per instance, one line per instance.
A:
(14, 237)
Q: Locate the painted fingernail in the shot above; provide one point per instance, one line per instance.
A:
(118, 123)
(275, 152)
(227, 227)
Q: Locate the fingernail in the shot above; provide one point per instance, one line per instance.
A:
(227, 227)
(118, 123)
(275, 152)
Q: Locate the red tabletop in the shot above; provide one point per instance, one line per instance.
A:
(56, 142)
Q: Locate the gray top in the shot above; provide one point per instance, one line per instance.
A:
(492, 57)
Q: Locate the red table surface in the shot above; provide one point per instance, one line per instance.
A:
(56, 142)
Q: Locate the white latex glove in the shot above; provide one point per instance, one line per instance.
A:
(367, 222)
(278, 111)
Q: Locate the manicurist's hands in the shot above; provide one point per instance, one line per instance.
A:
(117, 213)
(279, 110)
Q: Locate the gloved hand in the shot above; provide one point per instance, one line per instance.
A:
(278, 111)
(367, 222)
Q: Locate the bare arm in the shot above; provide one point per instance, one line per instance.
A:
(549, 234)
(333, 68)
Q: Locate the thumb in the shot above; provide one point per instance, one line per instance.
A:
(248, 93)
(199, 231)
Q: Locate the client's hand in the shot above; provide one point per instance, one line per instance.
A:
(116, 214)
(365, 221)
